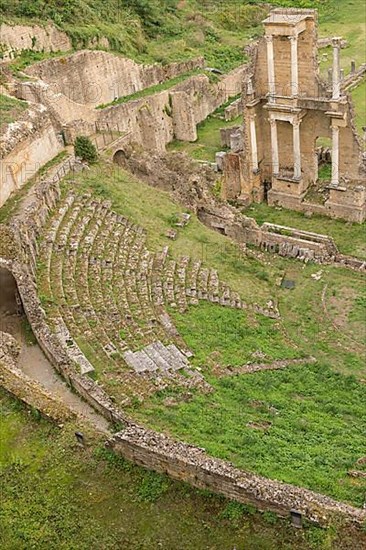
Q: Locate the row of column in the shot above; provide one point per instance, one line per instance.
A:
(296, 147)
(336, 43)
(271, 66)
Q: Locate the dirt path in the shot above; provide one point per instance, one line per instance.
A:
(33, 362)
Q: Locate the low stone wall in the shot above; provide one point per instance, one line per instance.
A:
(194, 466)
(234, 110)
(285, 241)
(353, 79)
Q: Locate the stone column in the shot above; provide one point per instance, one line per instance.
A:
(270, 66)
(335, 156)
(336, 68)
(297, 151)
(253, 143)
(274, 147)
(294, 66)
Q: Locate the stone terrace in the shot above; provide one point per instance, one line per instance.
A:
(106, 296)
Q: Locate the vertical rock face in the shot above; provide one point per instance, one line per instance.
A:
(25, 148)
(34, 37)
(96, 77)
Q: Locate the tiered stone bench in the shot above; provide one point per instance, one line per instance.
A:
(107, 295)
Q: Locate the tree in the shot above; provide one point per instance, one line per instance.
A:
(85, 149)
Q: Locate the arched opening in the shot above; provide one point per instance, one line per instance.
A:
(11, 310)
(120, 157)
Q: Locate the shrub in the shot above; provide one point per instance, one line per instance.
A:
(85, 149)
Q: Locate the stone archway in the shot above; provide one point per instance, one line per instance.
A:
(120, 157)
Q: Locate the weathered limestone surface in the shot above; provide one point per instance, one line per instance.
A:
(25, 147)
(14, 381)
(155, 120)
(34, 37)
(95, 77)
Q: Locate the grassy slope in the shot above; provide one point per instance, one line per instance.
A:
(346, 19)
(10, 109)
(86, 498)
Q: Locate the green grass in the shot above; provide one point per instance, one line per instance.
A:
(346, 19)
(10, 109)
(359, 100)
(316, 433)
(349, 237)
(208, 141)
(57, 495)
(229, 336)
(335, 337)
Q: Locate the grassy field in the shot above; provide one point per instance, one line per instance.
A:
(57, 495)
(231, 337)
(346, 19)
(349, 237)
(303, 425)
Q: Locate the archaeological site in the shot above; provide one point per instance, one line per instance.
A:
(182, 271)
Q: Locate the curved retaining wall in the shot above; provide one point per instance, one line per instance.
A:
(95, 77)
(146, 447)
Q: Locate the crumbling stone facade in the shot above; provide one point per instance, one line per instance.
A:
(287, 107)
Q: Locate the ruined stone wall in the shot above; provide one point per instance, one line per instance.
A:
(194, 466)
(25, 147)
(33, 37)
(156, 120)
(95, 77)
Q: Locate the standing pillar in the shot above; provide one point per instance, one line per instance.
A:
(335, 156)
(336, 68)
(274, 147)
(297, 152)
(294, 66)
(270, 67)
(253, 143)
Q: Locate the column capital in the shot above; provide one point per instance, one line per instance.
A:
(336, 41)
(296, 123)
(272, 122)
(293, 37)
(268, 37)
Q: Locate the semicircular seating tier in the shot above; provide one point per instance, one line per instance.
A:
(106, 297)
